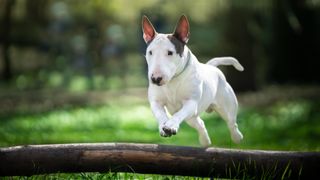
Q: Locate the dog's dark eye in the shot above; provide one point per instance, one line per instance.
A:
(170, 53)
(150, 52)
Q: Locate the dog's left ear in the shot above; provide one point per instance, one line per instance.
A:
(148, 30)
(182, 29)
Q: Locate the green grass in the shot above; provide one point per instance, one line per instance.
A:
(108, 176)
(291, 125)
(285, 125)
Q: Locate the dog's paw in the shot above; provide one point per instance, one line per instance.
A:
(170, 131)
(205, 141)
(170, 128)
(163, 133)
(236, 136)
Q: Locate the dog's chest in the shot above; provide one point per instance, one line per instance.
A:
(174, 97)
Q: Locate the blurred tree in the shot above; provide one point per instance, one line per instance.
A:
(21, 22)
(238, 42)
(6, 42)
(36, 11)
(296, 42)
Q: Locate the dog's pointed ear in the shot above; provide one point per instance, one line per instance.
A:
(148, 30)
(182, 31)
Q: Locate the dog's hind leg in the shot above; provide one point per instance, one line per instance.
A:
(197, 123)
(227, 107)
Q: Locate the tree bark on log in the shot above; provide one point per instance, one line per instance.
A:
(157, 159)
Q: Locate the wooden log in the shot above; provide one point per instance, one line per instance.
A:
(157, 159)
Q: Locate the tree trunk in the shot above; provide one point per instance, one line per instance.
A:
(157, 159)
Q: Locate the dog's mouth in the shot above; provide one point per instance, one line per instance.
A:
(158, 83)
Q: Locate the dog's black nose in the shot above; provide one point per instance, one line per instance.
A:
(156, 80)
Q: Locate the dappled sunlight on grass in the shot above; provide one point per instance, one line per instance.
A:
(139, 117)
(103, 123)
(288, 125)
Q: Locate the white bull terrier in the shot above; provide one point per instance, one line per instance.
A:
(183, 87)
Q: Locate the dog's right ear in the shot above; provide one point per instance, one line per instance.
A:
(148, 30)
(182, 30)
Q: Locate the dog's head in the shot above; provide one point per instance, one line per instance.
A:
(165, 52)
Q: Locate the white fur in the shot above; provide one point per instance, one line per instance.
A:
(189, 88)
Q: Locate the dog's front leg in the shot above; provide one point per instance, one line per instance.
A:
(188, 110)
(160, 114)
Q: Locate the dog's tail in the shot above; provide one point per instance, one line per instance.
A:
(226, 61)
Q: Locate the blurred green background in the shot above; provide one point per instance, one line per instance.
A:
(74, 70)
